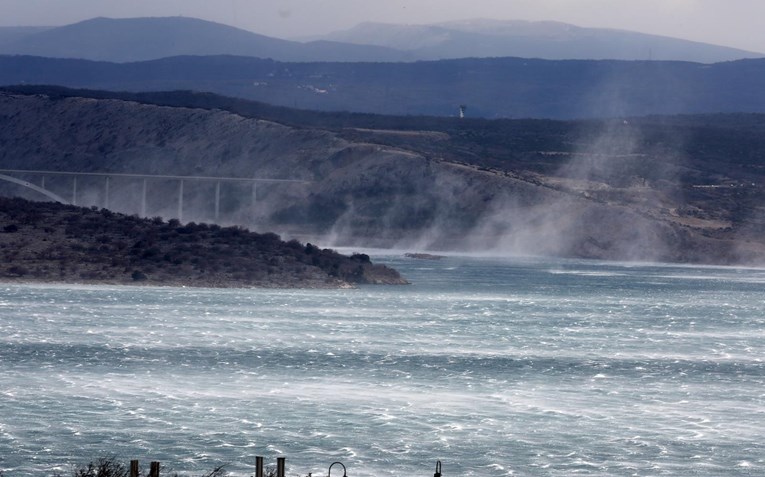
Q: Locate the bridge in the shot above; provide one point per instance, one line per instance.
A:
(7, 175)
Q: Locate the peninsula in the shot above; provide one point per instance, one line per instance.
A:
(50, 242)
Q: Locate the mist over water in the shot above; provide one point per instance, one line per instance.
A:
(495, 367)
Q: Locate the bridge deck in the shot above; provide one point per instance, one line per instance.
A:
(144, 177)
(149, 176)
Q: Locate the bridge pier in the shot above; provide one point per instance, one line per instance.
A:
(143, 199)
(217, 200)
(106, 193)
(254, 196)
(180, 201)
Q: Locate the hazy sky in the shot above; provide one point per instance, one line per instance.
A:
(736, 23)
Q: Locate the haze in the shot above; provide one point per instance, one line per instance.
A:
(735, 23)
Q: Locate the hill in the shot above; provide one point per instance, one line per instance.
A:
(142, 39)
(482, 38)
(680, 189)
(491, 88)
(54, 242)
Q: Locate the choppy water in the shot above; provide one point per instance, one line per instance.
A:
(495, 367)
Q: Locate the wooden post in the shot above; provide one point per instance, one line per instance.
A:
(154, 471)
(280, 466)
(258, 466)
(133, 468)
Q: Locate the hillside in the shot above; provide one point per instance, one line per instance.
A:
(491, 88)
(481, 38)
(54, 242)
(680, 189)
(143, 39)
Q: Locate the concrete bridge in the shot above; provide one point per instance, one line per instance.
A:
(8, 176)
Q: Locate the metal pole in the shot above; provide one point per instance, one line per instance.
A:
(74, 191)
(43, 182)
(329, 472)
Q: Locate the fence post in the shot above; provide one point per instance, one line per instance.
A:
(154, 470)
(280, 466)
(259, 466)
(133, 468)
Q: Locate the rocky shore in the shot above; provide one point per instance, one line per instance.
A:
(50, 242)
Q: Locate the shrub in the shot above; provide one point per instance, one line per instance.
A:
(11, 228)
(18, 271)
(103, 467)
(361, 257)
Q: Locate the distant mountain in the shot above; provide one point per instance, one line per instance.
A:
(491, 88)
(547, 40)
(13, 34)
(141, 39)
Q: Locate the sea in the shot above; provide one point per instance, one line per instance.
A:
(490, 366)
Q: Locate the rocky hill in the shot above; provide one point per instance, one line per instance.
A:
(54, 242)
(680, 189)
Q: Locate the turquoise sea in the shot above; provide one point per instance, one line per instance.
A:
(496, 367)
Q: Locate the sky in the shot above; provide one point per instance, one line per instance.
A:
(736, 23)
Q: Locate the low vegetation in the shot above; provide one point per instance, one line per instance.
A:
(113, 467)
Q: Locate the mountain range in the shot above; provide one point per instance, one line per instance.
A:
(490, 87)
(482, 38)
(141, 39)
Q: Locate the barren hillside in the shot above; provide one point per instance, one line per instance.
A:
(372, 187)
